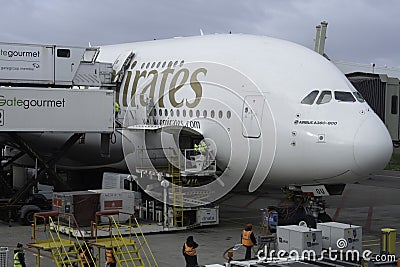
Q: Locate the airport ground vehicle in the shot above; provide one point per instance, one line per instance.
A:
(24, 210)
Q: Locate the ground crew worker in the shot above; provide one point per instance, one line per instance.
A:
(189, 252)
(86, 256)
(201, 147)
(116, 109)
(248, 240)
(19, 256)
(110, 260)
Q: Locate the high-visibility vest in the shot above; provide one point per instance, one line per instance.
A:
(109, 256)
(246, 240)
(190, 251)
(116, 107)
(84, 259)
(17, 263)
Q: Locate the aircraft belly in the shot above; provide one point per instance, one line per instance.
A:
(83, 154)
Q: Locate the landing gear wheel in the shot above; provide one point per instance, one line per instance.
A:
(323, 217)
(308, 221)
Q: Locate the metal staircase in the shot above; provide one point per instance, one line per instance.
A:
(127, 241)
(65, 251)
(174, 169)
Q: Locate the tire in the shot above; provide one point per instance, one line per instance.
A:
(28, 217)
(324, 217)
(308, 221)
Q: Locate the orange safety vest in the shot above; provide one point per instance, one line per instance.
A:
(190, 251)
(246, 240)
(109, 256)
(83, 257)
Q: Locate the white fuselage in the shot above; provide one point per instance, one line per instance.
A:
(245, 94)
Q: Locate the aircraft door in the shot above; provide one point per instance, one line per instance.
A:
(121, 64)
(252, 116)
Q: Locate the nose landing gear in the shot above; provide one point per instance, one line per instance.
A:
(307, 204)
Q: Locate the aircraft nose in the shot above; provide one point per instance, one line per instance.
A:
(372, 146)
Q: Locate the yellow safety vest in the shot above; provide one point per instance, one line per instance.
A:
(190, 251)
(246, 240)
(17, 263)
(116, 107)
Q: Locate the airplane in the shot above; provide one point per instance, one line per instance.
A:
(272, 111)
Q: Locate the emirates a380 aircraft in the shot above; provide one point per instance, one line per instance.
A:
(272, 111)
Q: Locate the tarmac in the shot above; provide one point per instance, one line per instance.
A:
(373, 204)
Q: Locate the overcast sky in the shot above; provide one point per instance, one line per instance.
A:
(358, 31)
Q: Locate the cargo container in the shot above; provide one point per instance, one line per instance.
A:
(294, 238)
(119, 199)
(341, 236)
(82, 204)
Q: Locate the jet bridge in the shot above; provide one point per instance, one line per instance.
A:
(56, 89)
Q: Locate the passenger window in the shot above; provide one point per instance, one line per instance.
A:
(309, 99)
(324, 97)
(344, 96)
(359, 97)
(63, 53)
(395, 101)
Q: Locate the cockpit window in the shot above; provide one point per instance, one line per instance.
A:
(359, 97)
(309, 99)
(324, 97)
(344, 96)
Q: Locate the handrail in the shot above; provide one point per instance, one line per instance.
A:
(71, 221)
(132, 226)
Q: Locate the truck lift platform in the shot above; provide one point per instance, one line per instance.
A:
(53, 89)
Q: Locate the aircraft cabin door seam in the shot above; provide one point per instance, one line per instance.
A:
(252, 113)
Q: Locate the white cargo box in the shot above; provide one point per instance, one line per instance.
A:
(25, 62)
(56, 110)
(208, 215)
(118, 199)
(340, 236)
(298, 238)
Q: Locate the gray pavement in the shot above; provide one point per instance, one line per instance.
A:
(372, 204)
